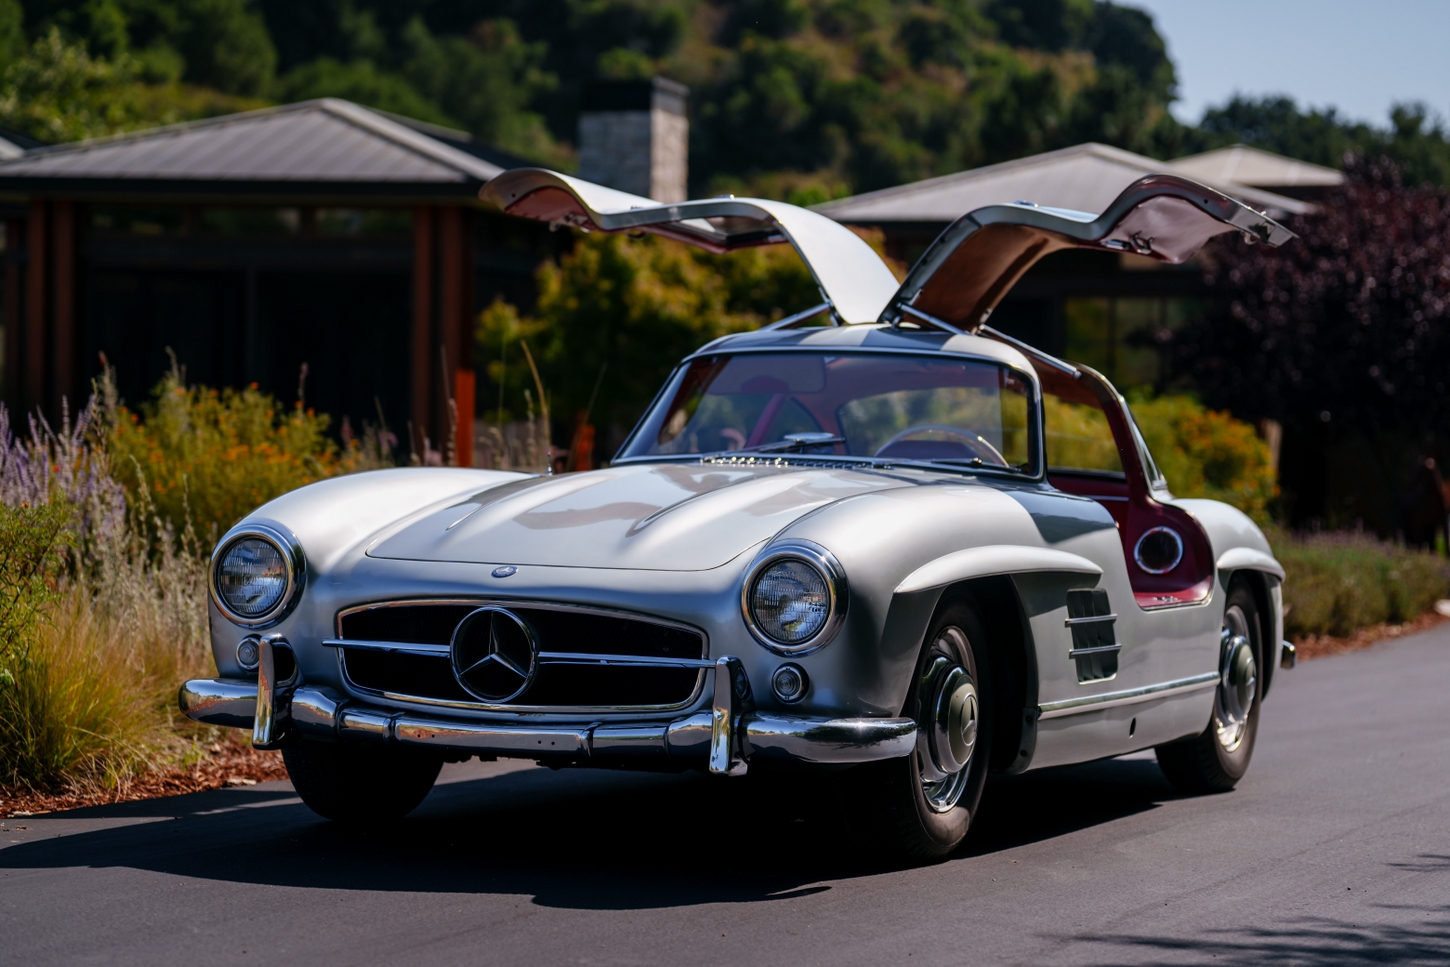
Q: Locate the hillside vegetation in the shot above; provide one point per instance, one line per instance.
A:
(801, 99)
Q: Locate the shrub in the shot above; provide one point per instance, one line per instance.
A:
(619, 313)
(103, 580)
(1336, 583)
(210, 457)
(31, 540)
(1208, 453)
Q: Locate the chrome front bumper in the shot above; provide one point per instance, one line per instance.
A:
(728, 737)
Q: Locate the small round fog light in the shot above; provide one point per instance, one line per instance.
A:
(789, 683)
(249, 655)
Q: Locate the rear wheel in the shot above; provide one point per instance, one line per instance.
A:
(918, 808)
(1217, 759)
(356, 783)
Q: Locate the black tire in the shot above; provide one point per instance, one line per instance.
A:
(355, 783)
(886, 803)
(1207, 763)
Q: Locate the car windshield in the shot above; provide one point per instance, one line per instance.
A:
(907, 408)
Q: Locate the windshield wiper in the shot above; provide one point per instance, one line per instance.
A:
(953, 463)
(792, 441)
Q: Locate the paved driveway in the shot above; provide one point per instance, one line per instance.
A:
(1334, 851)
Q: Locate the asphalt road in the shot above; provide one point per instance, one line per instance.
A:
(1335, 850)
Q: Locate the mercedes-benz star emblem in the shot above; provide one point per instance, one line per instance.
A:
(495, 655)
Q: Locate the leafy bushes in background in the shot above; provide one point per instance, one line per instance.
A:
(632, 308)
(1208, 453)
(103, 577)
(1338, 582)
(209, 457)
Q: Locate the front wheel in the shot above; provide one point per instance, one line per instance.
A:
(1216, 759)
(358, 783)
(918, 808)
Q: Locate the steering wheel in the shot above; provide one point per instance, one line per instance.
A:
(974, 441)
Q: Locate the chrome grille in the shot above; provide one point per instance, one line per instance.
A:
(589, 660)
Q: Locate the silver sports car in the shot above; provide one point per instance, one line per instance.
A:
(877, 539)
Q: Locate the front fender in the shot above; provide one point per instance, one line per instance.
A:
(992, 560)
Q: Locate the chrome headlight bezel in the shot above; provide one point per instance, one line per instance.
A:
(825, 564)
(287, 545)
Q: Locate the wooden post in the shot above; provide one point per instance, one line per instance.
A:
(463, 396)
(33, 379)
(63, 317)
(455, 320)
(14, 233)
(421, 345)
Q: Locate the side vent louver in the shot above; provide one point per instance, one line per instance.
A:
(1094, 642)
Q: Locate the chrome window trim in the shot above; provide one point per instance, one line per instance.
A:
(824, 562)
(1138, 548)
(1036, 447)
(340, 642)
(287, 545)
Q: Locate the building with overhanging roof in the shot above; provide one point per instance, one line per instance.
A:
(1099, 308)
(1241, 164)
(1084, 177)
(322, 233)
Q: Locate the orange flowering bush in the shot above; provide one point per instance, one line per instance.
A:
(209, 457)
(1208, 453)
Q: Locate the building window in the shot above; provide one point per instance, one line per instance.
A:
(137, 220)
(364, 221)
(251, 220)
(1119, 337)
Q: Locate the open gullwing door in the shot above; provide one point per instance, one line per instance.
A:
(852, 278)
(980, 256)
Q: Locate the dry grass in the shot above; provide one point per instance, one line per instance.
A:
(93, 705)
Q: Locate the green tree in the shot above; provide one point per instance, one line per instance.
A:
(485, 81)
(360, 81)
(631, 308)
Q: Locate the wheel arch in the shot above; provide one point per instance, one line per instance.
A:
(1014, 664)
(1264, 585)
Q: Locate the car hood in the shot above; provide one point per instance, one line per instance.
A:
(668, 517)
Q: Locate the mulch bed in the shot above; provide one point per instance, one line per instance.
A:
(227, 763)
(1318, 646)
(233, 763)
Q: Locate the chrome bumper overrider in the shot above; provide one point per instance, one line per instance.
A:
(729, 736)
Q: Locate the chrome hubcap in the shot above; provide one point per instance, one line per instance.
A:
(1238, 682)
(947, 733)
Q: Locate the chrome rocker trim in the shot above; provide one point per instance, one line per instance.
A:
(1131, 696)
(726, 738)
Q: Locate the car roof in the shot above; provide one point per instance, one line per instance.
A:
(869, 337)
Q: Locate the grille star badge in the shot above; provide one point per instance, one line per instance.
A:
(495, 655)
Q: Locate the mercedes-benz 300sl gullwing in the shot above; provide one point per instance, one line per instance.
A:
(877, 539)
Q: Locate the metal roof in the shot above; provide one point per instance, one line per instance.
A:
(1084, 178)
(1243, 165)
(328, 145)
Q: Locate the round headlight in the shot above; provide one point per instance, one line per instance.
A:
(790, 601)
(252, 577)
(255, 574)
(794, 596)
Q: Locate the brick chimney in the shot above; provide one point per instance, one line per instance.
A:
(635, 136)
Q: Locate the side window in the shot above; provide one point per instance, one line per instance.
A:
(1078, 434)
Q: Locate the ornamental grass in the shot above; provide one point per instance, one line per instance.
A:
(106, 526)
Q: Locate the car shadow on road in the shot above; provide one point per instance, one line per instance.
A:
(1420, 935)
(574, 838)
(1029, 808)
